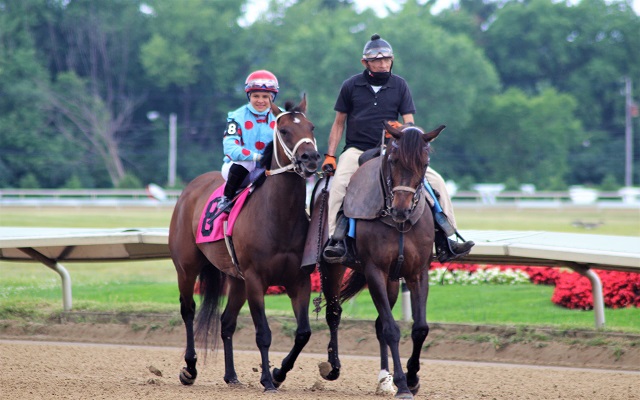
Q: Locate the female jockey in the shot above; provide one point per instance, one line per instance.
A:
(249, 129)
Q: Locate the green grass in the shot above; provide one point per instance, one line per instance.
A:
(32, 291)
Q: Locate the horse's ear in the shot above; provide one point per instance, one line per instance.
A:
(433, 134)
(275, 110)
(393, 131)
(303, 104)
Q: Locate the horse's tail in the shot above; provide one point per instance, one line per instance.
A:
(208, 319)
(353, 285)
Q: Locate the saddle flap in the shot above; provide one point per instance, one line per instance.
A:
(317, 234)
(365, 197)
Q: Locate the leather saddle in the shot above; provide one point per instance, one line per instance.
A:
(365, 198)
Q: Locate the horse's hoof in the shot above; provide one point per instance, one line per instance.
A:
(234, 383)
(271, 391)
(276, 382)
(385, 384)
(186, 377)
(406, 395)
(327, 372)
(414, 389)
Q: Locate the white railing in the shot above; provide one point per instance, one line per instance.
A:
(626, 197)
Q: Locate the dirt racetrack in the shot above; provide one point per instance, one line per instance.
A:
(72, 361)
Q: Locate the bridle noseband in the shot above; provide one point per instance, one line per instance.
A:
(293, 165)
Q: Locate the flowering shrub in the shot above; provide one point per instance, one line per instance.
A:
(494, 275)
(315, 285)
(619, 289)
(572, 290)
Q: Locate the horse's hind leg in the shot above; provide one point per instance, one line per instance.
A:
(228, 323)
(331, 276)
(300, 301)
(420, 329)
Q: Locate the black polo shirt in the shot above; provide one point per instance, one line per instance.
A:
(366, 109)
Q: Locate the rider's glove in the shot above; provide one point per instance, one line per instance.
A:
(329, 164)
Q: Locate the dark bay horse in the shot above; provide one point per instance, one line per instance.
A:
(268, 237)
(398, 244)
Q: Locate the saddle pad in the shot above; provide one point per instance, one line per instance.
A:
(211, 231)
(364, 198)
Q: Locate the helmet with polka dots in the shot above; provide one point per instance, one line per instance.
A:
(262, 81)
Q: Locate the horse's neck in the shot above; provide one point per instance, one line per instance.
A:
(284, 191)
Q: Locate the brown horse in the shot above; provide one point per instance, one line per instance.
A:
(396, 245)
(268, 237)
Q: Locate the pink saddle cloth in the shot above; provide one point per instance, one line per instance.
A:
(211, 231)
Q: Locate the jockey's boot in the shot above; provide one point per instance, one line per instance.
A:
(448, 249)
(237, 173)
(337, 251)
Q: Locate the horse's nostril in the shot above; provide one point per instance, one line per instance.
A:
(305, 157)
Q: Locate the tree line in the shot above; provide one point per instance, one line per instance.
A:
(531, 91)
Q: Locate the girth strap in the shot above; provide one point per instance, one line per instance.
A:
(395, 274)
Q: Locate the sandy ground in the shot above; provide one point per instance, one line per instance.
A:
(45, 370)
(52, 364)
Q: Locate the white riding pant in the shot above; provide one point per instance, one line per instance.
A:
(249, 165)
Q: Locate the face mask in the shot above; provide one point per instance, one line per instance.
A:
(376, 78)
(255, 112)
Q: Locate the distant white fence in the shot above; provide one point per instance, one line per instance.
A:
(485, 195)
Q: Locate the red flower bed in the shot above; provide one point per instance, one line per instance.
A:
(572, 290)
(315, 285)
(619, 289)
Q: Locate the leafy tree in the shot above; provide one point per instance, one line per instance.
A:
(528, 139)
(313, 49)
(196, 57)
(29, 148)
(584, 50)
(93, 93)
(448, 76)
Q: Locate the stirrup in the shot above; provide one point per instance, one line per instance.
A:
(346, 258)
(224, 204)
(447, 253)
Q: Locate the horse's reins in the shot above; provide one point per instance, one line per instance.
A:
(289, 153)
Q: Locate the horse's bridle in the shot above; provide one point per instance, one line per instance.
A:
(293, 166)
(389, 189)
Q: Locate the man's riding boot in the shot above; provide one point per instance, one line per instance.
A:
(448, 249)
(337, 251)
(237, 173)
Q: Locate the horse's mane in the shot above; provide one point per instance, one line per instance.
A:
(407, 155)
(265, 162)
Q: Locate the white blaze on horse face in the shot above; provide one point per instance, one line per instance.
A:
(296, 120)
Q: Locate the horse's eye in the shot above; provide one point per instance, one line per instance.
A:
(283, 132)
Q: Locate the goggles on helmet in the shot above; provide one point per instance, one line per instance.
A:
(261, 84)
(372, 54)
